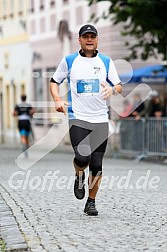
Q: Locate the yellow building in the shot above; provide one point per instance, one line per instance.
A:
(15, 59)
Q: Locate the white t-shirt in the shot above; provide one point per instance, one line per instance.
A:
(84, 84)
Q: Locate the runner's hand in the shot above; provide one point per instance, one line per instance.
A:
(60, 106)
(107, 91)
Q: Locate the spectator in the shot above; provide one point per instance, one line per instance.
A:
(164, 114)
(125, 131)
(127, 109)
(154, 106)
(139, 107)
(155, 126)
(164, 105)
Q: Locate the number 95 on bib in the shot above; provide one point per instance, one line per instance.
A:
(88, 87)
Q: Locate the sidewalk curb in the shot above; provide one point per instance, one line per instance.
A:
(10, 234)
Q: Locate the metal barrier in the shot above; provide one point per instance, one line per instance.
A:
(144, 137)
(156, 136)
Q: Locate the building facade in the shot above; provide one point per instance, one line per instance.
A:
(15, 63)
(34, 36)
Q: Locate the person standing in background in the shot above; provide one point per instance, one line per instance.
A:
(139, 107)
(138, 129)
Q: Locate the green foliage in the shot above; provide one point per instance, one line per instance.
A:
(146, 20)
(2, 246)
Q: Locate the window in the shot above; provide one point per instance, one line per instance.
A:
(51, 120)
(11, 8)
(50, 71)
(6, 60)
(4, 9)
(1, 30)
(53, 22)
(33, 27)
(0, 84)
(32, 6)
(79, 15)
(38, 87)
(42, 25)
(21, 6)
(41, 5)
(38, 92)
(22, 89)
(52, 3)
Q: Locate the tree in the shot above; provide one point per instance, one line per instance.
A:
(146, 20)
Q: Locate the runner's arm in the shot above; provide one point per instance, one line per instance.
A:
(59, 103)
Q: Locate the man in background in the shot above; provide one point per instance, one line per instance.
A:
(24, 112)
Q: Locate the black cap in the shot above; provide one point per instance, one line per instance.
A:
(87, 29)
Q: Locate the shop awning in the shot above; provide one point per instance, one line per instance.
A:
(147, 74)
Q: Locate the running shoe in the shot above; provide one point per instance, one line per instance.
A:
(79, 186)
(90, 208)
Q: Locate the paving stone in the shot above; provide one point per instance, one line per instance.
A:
(133, 220)
(9, 230)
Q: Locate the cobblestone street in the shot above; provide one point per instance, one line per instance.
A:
(47, 217)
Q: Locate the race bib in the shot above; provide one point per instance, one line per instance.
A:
(88, 87)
